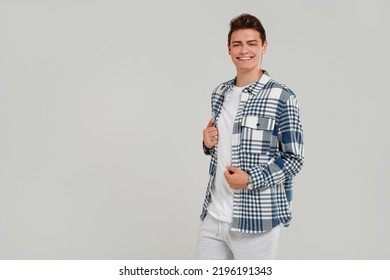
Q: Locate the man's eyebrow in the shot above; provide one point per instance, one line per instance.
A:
(250, 41)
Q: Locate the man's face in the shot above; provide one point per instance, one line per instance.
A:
(246, 49)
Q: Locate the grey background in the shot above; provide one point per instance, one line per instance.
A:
(102, 106)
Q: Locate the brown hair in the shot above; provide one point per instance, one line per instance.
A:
(246, 21)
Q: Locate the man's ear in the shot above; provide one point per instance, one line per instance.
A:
(264, 47)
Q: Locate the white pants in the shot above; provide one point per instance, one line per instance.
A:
(217, 242)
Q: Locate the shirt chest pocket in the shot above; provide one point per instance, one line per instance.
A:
(256, 134)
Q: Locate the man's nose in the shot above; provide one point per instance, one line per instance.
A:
(244, 49)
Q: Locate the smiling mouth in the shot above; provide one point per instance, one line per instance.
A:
(245, 58)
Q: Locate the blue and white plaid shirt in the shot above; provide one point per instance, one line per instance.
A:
(267, 143)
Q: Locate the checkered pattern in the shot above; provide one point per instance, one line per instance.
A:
(267, 143)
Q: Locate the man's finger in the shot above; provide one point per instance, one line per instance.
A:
(211, 122)
(227, 173)
(212, 132)
(232, 169)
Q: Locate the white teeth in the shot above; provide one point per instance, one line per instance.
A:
(245, 58)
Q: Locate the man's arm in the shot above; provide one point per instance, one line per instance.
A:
(290, 160)
(286, 165)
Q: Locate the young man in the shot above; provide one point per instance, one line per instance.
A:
(255, 140)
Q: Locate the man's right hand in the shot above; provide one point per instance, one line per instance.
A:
(210, 134)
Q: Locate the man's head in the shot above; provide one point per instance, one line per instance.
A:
(246, 21)
(246, 43)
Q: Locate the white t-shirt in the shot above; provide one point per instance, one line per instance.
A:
(221, 203)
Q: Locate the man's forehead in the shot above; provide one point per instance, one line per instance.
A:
(246, 35)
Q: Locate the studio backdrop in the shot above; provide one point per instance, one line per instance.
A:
(103, 103)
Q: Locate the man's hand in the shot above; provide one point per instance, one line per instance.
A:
(236, 178)
(210, 134)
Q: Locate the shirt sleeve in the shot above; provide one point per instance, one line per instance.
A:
(206, 150)
(291, 156)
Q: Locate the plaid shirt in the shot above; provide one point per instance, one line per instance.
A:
(267, 143)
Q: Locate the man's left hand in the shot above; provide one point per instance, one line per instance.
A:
(236, 178)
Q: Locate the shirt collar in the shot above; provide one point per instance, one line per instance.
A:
(253, 88)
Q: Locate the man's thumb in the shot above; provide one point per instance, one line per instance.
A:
(211, 122)
(231, 168)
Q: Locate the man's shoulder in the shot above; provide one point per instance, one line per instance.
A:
(285, 91)
(223, 86)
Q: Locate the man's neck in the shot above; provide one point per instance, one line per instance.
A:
(247, 78)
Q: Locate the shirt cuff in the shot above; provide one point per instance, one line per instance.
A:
(250, 183)
(206, 150)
